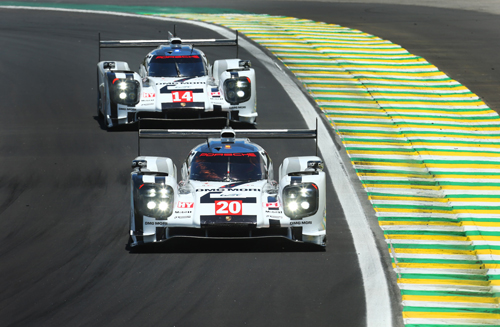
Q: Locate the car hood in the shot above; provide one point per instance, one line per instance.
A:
(222, 202)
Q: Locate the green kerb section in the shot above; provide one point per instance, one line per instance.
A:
(426, 149)
(127, 9)
(397, 123)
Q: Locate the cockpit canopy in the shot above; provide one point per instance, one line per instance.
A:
(228, 167)
(176, 66)
(176, 61)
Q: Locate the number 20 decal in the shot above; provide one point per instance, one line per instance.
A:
(228, 207)
(182, 96)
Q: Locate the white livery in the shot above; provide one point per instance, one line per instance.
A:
(226, 189)
(175, 80)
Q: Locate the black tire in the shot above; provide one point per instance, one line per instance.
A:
(100, 115)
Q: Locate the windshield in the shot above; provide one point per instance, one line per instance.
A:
(227, 167)
(176, 66)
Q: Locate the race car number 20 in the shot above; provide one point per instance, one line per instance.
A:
(182, 96)
(234, 207)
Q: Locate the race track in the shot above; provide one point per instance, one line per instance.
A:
(64, 197)
(64, 205)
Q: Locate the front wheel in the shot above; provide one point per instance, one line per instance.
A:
(99, 105)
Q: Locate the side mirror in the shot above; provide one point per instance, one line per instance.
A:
(184, 172)
(316, 165)
(139, 164)
(245, 64)
(109, 65)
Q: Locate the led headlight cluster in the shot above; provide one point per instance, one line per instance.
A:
(124, 91)
(300, 200)
(237, 90)
(155, 200)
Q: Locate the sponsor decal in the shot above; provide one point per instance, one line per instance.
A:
(250, 154)
(182, 80)
(216, 195)
(235, 184)
(181, 204)
(301, 223)
(275, 217)
(182, 96)
(215, 94)
(272, 205)
(182, 211)
(234, 207)
(156, 223)
(181, 217)
(148, 95)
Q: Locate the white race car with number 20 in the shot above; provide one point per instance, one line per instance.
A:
(227, 190)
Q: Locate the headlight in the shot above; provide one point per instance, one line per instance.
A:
(300, 200)
(237, 90)
(124, 91)
(154, 200)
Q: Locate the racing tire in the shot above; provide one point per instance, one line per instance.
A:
(99, 106)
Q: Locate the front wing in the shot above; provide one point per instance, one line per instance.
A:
(246, 212)
(168, 98)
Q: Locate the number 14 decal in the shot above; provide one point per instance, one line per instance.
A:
(228, 207)
(182, 96)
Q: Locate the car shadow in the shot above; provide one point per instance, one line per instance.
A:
(200, 245)
(181, 123)
(121, 128)
(192, 123)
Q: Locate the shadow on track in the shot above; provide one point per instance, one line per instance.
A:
(192, 123)
(194, 245)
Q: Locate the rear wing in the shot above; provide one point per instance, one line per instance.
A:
(171, 40)
(226, 133)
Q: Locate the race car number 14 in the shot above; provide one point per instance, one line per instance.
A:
(228, 207)
(182, 96)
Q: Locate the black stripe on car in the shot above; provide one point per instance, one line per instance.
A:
(187, 105)
(233, 185)
(112, 106)
(297, 233)
(160, 179)
(165, 90)
(208, 199)
(161, 233)
(229, 219)
(274, 223)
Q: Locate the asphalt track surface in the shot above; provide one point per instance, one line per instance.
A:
(64, 191)
(65, 203)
